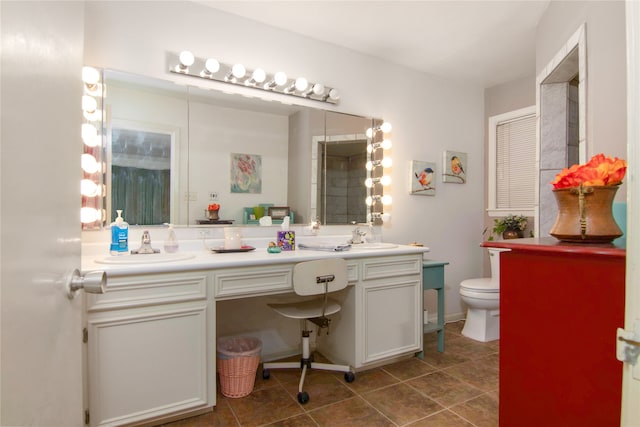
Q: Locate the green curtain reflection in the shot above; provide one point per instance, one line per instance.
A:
(141, 194)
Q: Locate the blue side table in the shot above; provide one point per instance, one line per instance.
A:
(433, 278)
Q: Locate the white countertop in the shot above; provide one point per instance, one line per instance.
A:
(202, 259)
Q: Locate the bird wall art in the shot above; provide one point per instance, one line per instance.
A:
(422, 178)
(454, 167)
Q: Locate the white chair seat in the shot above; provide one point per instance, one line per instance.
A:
(306, 309)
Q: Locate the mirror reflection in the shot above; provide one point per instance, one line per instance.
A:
(174, 150)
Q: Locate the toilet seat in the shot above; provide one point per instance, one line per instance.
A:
(483, 285)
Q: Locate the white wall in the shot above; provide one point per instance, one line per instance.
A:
(428, 114)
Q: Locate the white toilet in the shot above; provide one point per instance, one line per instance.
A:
(482, 297)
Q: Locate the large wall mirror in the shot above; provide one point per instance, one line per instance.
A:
(172, 150)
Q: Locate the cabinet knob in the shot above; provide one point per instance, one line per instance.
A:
(93, 282)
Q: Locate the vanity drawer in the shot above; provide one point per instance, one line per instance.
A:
(391, 266)
(144, 290)
(230, 283)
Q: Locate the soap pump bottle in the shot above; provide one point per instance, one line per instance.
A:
(171, 243)
(119, 235)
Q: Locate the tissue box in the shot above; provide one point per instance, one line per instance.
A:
(287, 240)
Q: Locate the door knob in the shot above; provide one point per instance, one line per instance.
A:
(93, 282)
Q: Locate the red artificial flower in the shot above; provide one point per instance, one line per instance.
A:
(599, 170)
(213, 207)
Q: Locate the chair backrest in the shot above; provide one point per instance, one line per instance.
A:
(309, 276)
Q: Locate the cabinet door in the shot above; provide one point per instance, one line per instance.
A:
(146, 363)
(391, 318)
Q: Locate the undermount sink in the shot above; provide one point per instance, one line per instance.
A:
(371, 246)
(145, 258)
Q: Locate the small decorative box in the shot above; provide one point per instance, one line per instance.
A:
(287, 240)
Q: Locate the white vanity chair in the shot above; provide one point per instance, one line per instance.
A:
(318, 277)
(482, 297)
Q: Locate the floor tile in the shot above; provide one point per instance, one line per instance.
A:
(350, 413)
(481, 411)
(441, 419)
(410, 368)
(444, 389)
(264, 406)
(370, 380)
(322, 388)
(401, 404)
(476, 373)
(297, 421)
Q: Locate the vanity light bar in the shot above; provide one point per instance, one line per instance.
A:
(91, 186)
(210, 69)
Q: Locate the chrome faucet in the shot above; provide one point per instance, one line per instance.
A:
(145, 245)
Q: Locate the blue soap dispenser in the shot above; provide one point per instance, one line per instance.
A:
(119, 235)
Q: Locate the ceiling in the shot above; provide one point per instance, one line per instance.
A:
(479, 42)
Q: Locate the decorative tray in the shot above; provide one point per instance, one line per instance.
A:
(214, 221)
(241, 249)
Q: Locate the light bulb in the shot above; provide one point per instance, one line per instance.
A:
(280, 78)
(385, 127)
(258, 75)
(369, 165)
(90, 135)
(88, 188)
(368, 182)
(92, 116)
(90, 75)
(386, 144)
(334, 94)
(385, 180)
(238, 71)
(89, 163)
(369, 148)
(369, 133)
(318, 89)
(369, 200)
(186, 59)
(386, 200)
(89, 104)
(301, 84)
(212, 65)
(385, 217)
(387, 162)
(89, 215)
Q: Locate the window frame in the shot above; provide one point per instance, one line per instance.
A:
(494, 121)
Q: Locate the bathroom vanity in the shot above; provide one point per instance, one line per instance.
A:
(560, 307)
(151, 337)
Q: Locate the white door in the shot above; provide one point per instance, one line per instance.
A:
(42, 49)
(631, 385)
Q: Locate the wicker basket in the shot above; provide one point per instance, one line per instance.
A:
(237, 364)
(238, 375)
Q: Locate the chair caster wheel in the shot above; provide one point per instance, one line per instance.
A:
(349, 377)
(303, 397)
(266, 374)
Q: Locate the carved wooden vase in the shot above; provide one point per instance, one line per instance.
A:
(585, 214)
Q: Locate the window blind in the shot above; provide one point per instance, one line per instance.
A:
(515, 163)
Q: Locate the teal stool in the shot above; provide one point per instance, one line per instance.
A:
(433, 278)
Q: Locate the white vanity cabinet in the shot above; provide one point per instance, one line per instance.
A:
(150, 349)
(381, 317)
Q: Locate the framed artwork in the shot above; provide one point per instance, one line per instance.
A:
(278, 212)
(422, 178)
(246, 173)
(454, 167)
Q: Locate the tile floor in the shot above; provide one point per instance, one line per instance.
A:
(456, 388)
